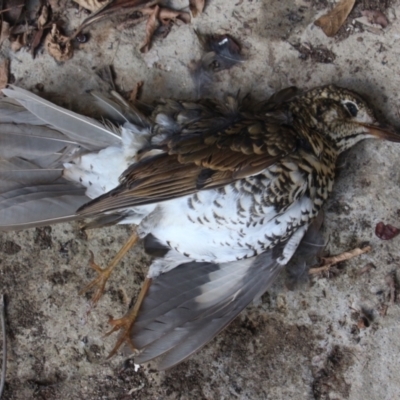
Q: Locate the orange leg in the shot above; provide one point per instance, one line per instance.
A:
(126, 322)
(103, 274)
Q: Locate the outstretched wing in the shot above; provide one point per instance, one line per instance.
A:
(187, 306)
(203, 146)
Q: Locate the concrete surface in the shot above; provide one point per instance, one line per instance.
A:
(305, 344)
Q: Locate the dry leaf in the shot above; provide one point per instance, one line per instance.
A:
(17, 43)
(196, 6)
(92, 5)
(58, 45)
(5, 32)
(375, 17)
(4, 68)
(331, 22)
(36, 41)
(151, 26)
(43, 17)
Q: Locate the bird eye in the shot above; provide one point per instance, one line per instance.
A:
(351, 108)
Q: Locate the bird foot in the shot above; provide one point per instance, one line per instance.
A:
(100, 282)
(104, 273)
(126, 323)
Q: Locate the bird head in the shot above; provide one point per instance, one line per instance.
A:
(342, 116)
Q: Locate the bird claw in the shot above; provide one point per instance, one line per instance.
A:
(98, 283)
(125, 324)
(104, 273)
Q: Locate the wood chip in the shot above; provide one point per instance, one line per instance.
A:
(331, 22)
(327, 262)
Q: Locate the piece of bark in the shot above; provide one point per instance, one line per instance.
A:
(331, 22)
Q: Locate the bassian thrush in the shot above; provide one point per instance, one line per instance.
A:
(222, 193)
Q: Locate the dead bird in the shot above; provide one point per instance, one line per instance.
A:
(222, 194)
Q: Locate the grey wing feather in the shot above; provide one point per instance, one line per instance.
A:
(32, 196)
(119, 111)
(87, 131)
(187, 306)
(15, 139)
(40, 205)
(13, 112)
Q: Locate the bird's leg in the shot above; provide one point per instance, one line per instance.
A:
(128, 320)
(103, 274)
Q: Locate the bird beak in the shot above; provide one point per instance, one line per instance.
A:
(382, 132)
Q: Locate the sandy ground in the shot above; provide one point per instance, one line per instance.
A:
(304, 344)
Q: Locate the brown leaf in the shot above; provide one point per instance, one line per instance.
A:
(151, 26)
(5, 32)
(36, 41)
(196, 6)
(58, 45)
(4, 69)
(375, 17)
(331, 22)
(386, 232)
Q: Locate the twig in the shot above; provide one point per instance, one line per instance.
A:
(4, 361)
(329, 261)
